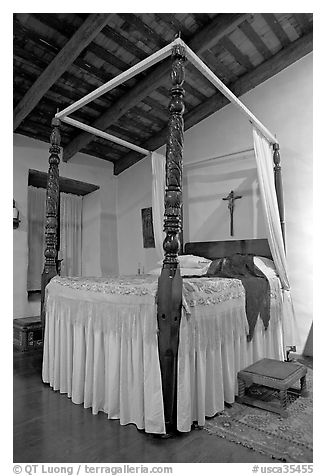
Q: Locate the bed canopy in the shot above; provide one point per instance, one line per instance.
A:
(169, 295)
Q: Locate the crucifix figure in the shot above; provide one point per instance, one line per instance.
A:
(231, 197)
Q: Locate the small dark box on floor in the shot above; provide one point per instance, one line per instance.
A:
(27, 333)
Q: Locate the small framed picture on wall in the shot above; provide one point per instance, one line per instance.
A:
(148, 231)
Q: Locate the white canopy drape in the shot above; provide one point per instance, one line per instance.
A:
(70, 234)
(264, 161)
(158, 189)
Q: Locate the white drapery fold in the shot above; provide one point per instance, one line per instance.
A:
(71, 234)
(158, 189)
(101, 349)
(264, 161)
(36, 237)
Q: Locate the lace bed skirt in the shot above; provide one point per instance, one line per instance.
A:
(100, 348)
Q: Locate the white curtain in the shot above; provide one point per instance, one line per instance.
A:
(158, 190)
(264, 160)
(70, 234)
(35, 236)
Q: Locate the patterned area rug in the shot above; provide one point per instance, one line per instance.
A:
(286, 439)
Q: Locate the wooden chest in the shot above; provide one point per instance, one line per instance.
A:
(27, 333)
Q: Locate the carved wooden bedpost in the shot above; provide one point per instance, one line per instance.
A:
(170, 282)
(279, 186)
(52, 203)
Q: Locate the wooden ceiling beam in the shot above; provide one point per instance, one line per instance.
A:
(240, 58)
(149, 122)
(200, 78)
(202, 19)
(219, 26)
(109, 58)
(95, 73)
(174, 24)
(140, 54)
(276, 28)
(25, 35)
(194, 92)
(102, 150)
(58, 25)
(245, 83)
(69, 96)
(255, 39)
(218, 67)
(303, 22)
(148, 116)
(65, 29)
(67, 55)
(157, 106)
(59, 92)
(222, 25)
(144, 29)
(64, 96)
(47, 108)
(122, 131)
(29, 59)
(123, 42)
(136, 128)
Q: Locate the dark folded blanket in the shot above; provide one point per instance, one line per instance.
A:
(255, 283)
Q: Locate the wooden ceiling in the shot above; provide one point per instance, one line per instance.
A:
(60, 57)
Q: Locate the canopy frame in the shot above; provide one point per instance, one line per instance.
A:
(142, 66)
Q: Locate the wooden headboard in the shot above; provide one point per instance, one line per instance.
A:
(218, 249)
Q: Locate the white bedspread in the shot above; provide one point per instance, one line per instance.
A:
(100, 346)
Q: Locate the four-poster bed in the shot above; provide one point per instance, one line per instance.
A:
(173, 353)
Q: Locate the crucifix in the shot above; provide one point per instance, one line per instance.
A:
(230, 198)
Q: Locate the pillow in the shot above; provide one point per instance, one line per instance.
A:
(265, 265)
(183, 271)
(191, 261)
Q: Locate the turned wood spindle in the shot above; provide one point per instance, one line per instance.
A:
(279, 187)
(174, 152)
(169, 296)
(52, 204)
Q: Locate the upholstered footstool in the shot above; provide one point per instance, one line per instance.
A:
(275, 375)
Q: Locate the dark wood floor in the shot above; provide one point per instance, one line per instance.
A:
(48, 427)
